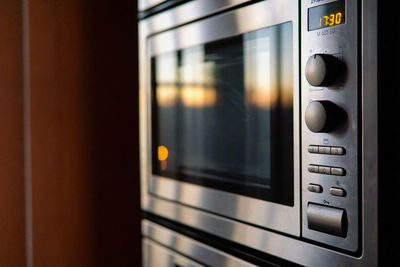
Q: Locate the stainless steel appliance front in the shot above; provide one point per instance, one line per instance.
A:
(331, 221)
(164, 247)
(283, 218)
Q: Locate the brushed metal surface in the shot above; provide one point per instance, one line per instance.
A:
(273, 243)
(184, 13)
(340, 41)
(326, 219)
(369, 141)
(146, 4)
(155, 255)
(186, 246)
(195, 7)
(293, 250)
(265, 214)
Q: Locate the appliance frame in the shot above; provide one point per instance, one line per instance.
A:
(285, 218)
(269, 241)
(171, 248)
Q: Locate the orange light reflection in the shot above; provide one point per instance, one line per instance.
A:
(167, 95)
(162, 153)
(198, 96)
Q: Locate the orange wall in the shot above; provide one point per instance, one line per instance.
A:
(12, 222)
(81, 157)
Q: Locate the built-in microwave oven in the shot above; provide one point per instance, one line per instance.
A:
(257, 124)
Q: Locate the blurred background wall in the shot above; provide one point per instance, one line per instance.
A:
(69, 178)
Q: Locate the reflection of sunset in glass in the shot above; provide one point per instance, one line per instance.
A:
(194, 68)
(223, 110)
(166, 68)
(167, 92)
(257, 69)
(198, 96)
(188, 95)
(167, 95)
(190, 84)
(188, 77)
(268, 78)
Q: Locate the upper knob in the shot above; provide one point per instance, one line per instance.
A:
(323, 69)
(323, 116)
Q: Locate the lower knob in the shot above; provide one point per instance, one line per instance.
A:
(323, 116)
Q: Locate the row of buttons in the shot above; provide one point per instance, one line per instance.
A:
(326, 170)
(335, 191)
(330, 150)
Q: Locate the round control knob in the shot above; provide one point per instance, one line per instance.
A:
(323, 69)
(323, 116)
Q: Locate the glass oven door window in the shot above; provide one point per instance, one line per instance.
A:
(222, 114)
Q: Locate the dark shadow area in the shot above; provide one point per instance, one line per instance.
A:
(388, 133)
(113, 130)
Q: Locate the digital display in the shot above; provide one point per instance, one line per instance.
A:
(326, 15)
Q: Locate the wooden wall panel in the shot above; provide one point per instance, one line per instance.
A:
(83, 116)
(12, 212)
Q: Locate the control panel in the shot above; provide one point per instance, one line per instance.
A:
(329, 115)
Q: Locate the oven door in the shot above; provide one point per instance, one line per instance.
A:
(220, 116)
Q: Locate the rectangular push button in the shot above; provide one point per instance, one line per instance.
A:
(338, 171)
(315, 188)
(324, 170)
(326, 219)
(324, 150)
(338, 192)
(313, 149)
(337, 151)
(313, 168)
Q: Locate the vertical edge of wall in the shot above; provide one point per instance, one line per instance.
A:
(83, 133)
(12, 186)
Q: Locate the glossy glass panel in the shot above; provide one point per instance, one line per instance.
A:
(222, 114)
